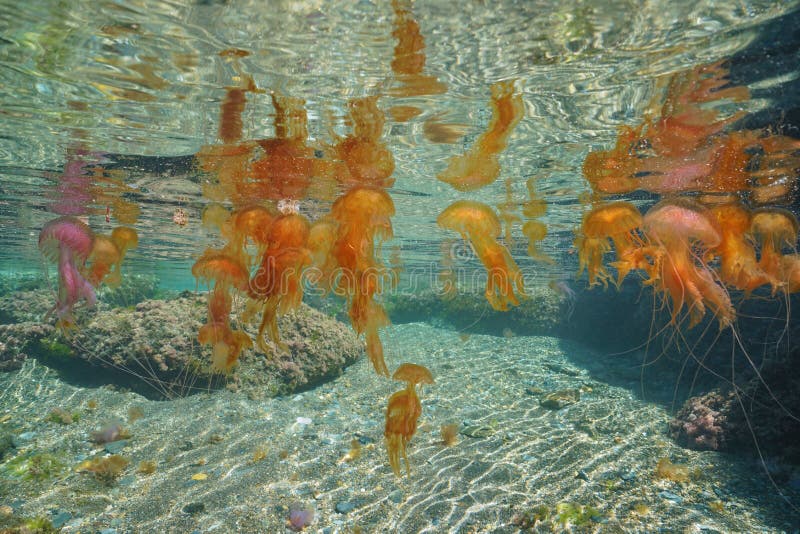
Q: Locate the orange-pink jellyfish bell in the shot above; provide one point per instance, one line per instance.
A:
(684, 230)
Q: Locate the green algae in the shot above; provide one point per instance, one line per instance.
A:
(38, 467)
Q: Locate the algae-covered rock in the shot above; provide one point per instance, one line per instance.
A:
(18, 341)
(25, 306)
(152, 348)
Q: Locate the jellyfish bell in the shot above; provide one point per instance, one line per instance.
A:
(69, 241)
(738, 264)
(413, 373)
(678, 228)
(403, 411)
(774, 229)
(480, 226)
(105, 254)
(618, 222)
(221, 269)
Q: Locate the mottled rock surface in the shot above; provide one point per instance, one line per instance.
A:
(152, 347)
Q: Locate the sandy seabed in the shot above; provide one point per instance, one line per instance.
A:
(228, 463)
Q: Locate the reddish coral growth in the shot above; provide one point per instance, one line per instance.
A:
(702, 423)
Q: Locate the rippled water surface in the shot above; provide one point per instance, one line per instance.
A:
(136, 87)
(133, 113)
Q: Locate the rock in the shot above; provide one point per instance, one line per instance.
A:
(396, 496)
(157, 339)
(477, 431)
(115, 447)
(6, 444)
(560, 399)
(194, 508)
(344, 507)
(668, 495)
(364, 440)
(60, 518)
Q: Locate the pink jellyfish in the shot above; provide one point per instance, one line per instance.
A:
(69, 241)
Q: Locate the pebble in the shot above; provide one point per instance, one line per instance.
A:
(478, 431)
(396, 496)
(364, 440)
(60, 519)
(194, 508)
(115, 447)
(560, 399)
(630, 475)
(345, 506)
(20, 439)
(677, 499)
(108, 531)
(582, 475)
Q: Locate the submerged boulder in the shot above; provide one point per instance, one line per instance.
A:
(152, 348)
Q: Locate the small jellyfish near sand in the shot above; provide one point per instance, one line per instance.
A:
(300, 516)
(402, 413)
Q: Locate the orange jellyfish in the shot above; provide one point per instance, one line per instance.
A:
(536, 231)
(367, 159)
(683, 149)
(125, 238)
(682, 232)
(251, 224)
(773, 229)
(363, 217)
(685, 124)
(409, 55)
(478, 224)
(776, 175)
(479, 166)
(402, 413)
(288, 163)
(276, 287)
(619, 222)
(230, 162)
(105, 254)
(738, 266)
(226, 272)
(611, 171)
(321, 239)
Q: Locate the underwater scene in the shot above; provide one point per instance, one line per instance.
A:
(358, 266)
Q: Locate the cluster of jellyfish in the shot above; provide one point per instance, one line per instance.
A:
(712, 231)
(719, 225)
